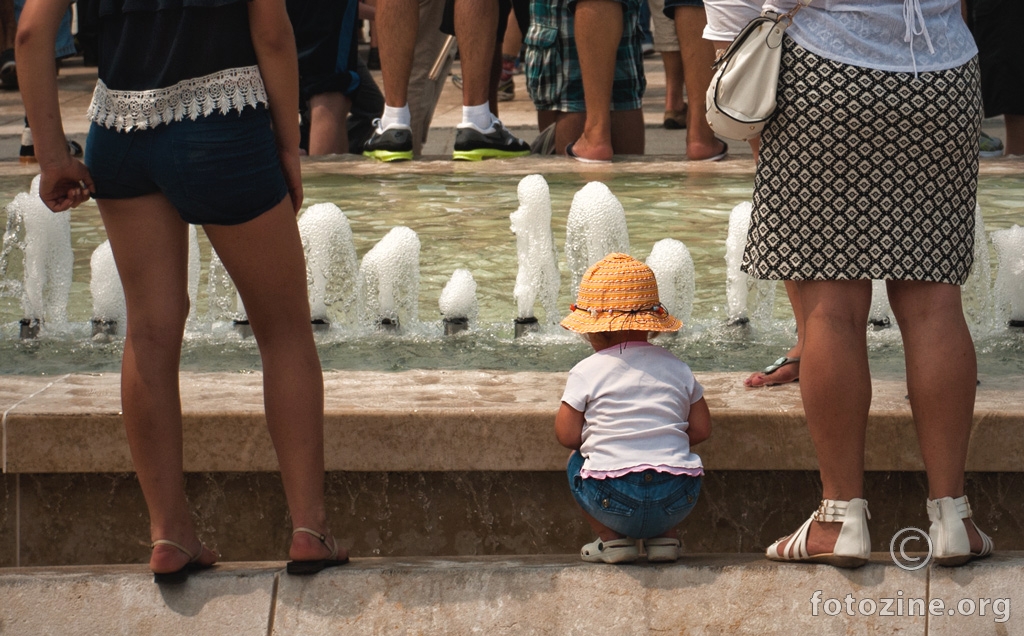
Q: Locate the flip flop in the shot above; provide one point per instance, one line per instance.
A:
(181, 575)
(719, 156)
(305, 568)
(570, 153)
(778, 364)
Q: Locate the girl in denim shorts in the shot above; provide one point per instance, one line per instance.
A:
(631, 412)
(194, 120)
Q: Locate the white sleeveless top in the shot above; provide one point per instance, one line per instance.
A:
(911, 36)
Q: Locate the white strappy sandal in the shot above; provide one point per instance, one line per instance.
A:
(950, 543)
(853, 547)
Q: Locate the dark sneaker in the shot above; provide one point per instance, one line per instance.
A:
(990, 146)
(8, 70)
(393, 143)
(473, 144)
(506, 90)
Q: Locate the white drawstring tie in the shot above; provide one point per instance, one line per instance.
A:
(914, 20)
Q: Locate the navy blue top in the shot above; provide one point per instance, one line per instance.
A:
(148, 44)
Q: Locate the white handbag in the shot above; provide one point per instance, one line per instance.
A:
(741, 97)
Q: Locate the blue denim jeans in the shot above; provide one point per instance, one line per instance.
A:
(639, 505)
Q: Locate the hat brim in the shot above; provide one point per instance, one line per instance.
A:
(582, 321)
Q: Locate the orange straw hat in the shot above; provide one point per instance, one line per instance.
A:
(619, 293)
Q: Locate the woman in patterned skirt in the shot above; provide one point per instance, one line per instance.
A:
(869, 171)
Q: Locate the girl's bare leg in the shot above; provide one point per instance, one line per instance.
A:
(265, 260)
(150, 245)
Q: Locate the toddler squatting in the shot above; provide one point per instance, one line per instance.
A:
(631, 412)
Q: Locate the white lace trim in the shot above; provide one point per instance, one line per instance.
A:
(223, 91)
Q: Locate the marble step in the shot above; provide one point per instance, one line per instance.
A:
(699, 595)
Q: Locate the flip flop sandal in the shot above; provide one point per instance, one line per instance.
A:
(181, 575)
(719, 156)
(304, 568)
(570, 153)
(778, 364)
(614, 551)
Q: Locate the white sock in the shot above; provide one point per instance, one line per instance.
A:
(394, 116)
(480, 116)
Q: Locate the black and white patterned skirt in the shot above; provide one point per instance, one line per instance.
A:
(866, 174)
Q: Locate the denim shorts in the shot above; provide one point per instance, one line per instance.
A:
(639, 505)
(221, 169)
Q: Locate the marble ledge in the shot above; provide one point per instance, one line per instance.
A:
(706, 594)
(460, 420)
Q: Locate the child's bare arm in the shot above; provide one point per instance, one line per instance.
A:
(569, 427)
(700, 422)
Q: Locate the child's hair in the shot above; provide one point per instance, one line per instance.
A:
(619, 293)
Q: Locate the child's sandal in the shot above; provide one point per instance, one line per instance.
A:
(615, 551)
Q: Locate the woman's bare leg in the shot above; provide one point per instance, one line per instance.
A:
(835, 385)
(150, 245)
(265, 260)
(942, 373)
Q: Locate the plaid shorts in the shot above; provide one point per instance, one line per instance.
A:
(553, 76)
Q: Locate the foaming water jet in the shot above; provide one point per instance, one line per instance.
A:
(1009, 287)
(48, 260)
(331, 263)
(389, 280)
(596, 227)
(537, 277)
(673, 269)
(108, 308)
(746, 297)
(458, 302)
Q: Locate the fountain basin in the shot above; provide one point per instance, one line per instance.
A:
(461, 214)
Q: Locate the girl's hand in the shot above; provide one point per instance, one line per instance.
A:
(65, 185)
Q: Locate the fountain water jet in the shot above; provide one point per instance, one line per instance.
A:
(389, 280)
(458, 302)
(1009, 286)
(746, 297)
(596, 227)
(977, 291)
(108, 309)
(878, 315)
(537, 277)
(48, 259)
(331, 263)
(672, 265)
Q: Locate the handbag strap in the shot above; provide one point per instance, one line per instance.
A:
(788, 16)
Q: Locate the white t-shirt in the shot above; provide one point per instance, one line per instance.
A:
(635, 399)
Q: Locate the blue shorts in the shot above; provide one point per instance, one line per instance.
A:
(639, 505)
(221, 169)
(670, 6)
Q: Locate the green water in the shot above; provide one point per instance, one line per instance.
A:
(462, 222)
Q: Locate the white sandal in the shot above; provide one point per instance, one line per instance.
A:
(950, 543)
(615, 551)
(853, 547)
